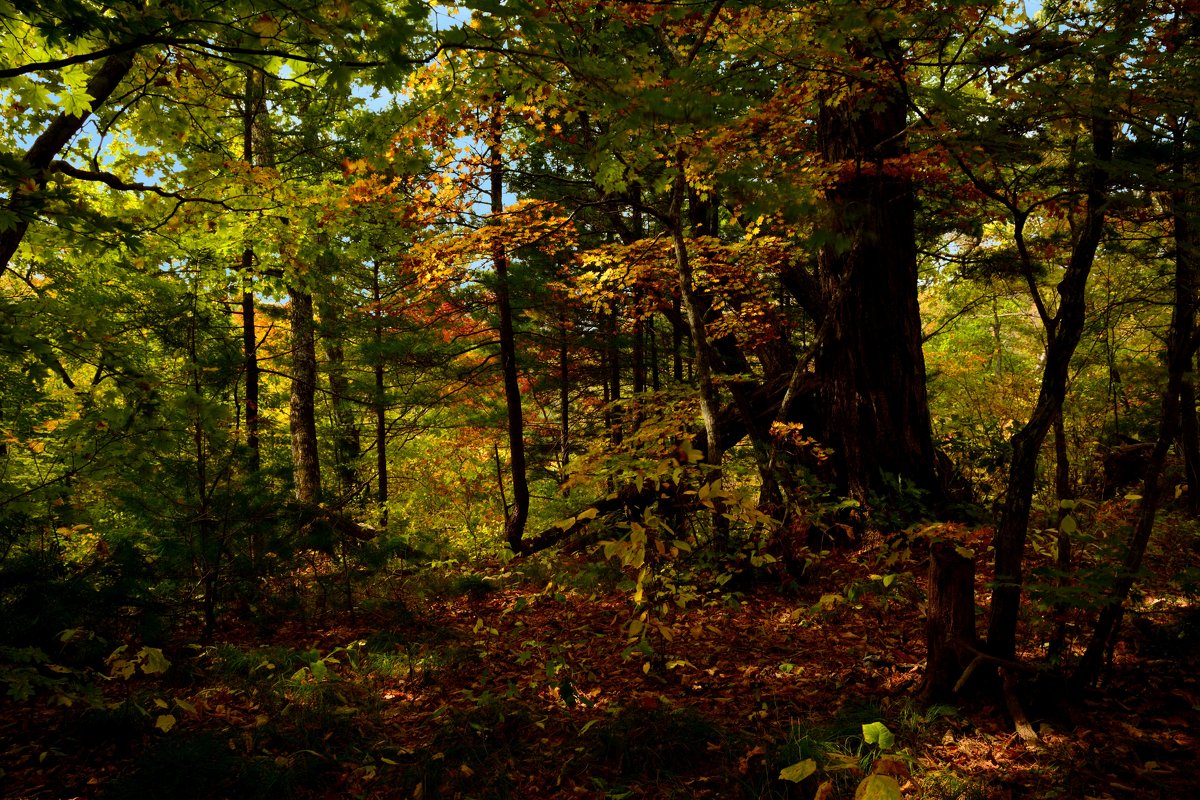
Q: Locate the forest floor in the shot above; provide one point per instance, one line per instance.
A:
(522, 683)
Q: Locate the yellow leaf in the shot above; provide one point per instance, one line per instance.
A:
(798, 771)
(165, 722)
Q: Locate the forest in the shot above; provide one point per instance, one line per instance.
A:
(584, 399)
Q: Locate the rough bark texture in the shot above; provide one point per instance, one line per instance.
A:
(949, 621)
(877, 417)
(24, 204)
(306, 466)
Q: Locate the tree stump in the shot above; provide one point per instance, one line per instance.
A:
(950, 620)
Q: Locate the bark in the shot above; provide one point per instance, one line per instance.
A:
(347, 438)
(1189, 436)
(250, 355)
(677, 330)
(612, 361)
(564, 397)
(1062, 336)
(1062, 490)
(695, 307)
(380, 403)
(252, 106)
(518, 512)
(877, 417)
(652, 339)
(25, 204)
(1185, 202)
(306, 466)
(949, 621)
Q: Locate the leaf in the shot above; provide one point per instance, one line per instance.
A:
(165, 722)
(878, 787)
(153, 660)
(798, 771)
(877, 733)
(1067, 525)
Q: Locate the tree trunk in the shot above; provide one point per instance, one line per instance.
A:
(380, 404)
(306, 467)
(518, 513)
(1182, 342)
(1185, 203)
(695, 308)
(613, 363)
(250, 355)
(347, 439)
(877, 418)
(677, 328)
(1066, 505)
(564, 397)
(1062, 336)
(949, 620)
(252, 105)
(24, 204)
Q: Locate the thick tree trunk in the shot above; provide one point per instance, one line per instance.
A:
(518, 513)
(877, 417)
(306, 466)
(24, 204)
(1062, 336)
(949, 621)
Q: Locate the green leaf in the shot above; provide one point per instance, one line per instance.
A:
(877, 733)
(878, 787)
(153, 660)
(798, 771)
(1067, 525)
